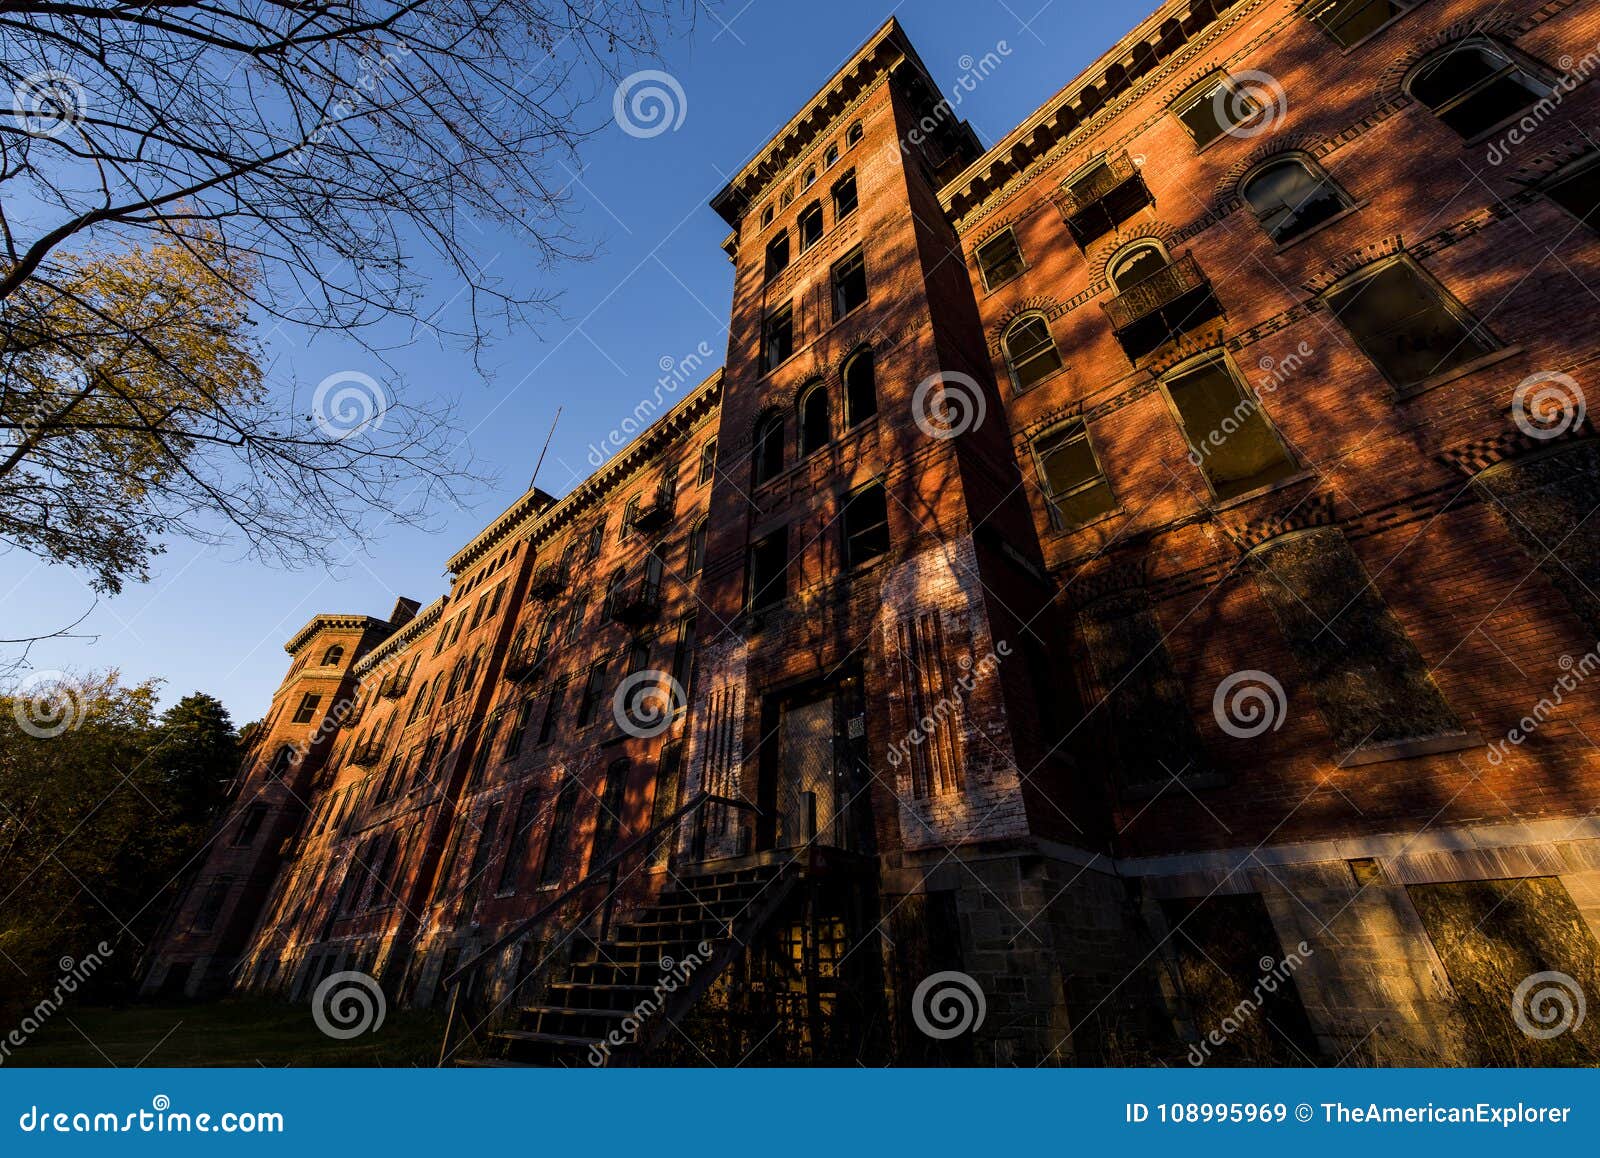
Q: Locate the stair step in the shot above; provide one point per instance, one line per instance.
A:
(534, 1037)
(575, 1011)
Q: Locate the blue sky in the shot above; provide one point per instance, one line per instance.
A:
(659, 286)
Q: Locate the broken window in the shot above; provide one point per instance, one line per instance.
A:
(1410, 328)
(866, 525)
(1229, 437)
(999, 259)
(1291, 196)
(1474, 85)
(1074, 485)
(1031, 353)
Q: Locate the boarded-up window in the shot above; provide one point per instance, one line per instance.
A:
(1139, 702)
(1367, 677)
(1496, 939)
(1546, 503)
(932, 709)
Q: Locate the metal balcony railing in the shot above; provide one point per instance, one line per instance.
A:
(366, 755)
(636, 602)
(549, 580)
(1105, 180)
(1138, 302)
(393, 687)
(524, 665)
(658, 511)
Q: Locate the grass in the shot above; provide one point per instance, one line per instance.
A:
(224, 1033)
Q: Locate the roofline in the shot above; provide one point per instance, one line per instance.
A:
(998, 159)
(331, 622)
(417, 625)
(762, 161)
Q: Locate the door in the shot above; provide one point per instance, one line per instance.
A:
(807, 774)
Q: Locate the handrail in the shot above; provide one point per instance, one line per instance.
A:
(522, 927)
(607, 871)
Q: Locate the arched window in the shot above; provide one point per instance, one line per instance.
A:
(816, 426)
(766, 216)
(1474, 85)
(696, 553)
(768, 458)
(614, 590)
(831, 157)
(332, 656)
(810, 226)
(1139, 262)
(1291, 195)
(809, 179)
(1031, 353)
(860, 388)
(855, 134)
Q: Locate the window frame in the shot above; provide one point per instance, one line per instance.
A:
(1058, 522)
(708, 461)
(847, 536)
(808, 393)
(1016, 247)
(846, 178)
(784, 314)
(1325, 179)
(1202, 90)
(851, 418)
(1585, 163)
(1406, 8)
(811, 212)
(1445, 298)
(1246, 394)
(773, 269)
(836, 280)
(1515, 62)
(1012, 326)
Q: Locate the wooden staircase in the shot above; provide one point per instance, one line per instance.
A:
(621, 994)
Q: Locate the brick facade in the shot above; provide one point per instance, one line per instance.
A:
(1031, 708)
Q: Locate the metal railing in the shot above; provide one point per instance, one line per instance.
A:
(551, 579)
(609, 873)
(1160, 289)
(1103, 181)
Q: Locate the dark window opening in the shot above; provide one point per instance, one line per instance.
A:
(1290, 197)
(810, 226)
(1578, 192)
(555, 849)
(999, 260)
(866, 525)
(608, 820)
(307, 708)
(768, 457)
(1407, 326)
(517, 846)
(816, 427)
(1215, 107)
(860, 388)
(249, 825)
(769, 571)
(708, 460)
(777, 255)
(844, 197)
(849, 284)
(1352, 21)
(1473, 86)
(593, 693)
(777, 338)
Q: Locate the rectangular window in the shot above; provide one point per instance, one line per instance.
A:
(865, 525)
(211, 904)
(419, 777)
(777, 255)
(593, 692)
(552, 711)
(708, 460)
(1074, 485)
(517, 846)
(1410, 328)
(307, 708)
(480, 759)
(638, 655)
(1578, 192)
(597, 540)
(249, 825)
(630, 512)
(1229, 436)
(695, 555)
(668, 780)
(777, 337)
(849, 284)
(999, 259)
(769, 570)
(1352, 21)
(810, 227)
(844, 197)
(1214, 107)
(608, 820)
(683, 654)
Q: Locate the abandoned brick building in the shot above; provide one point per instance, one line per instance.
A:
(1127, 595)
